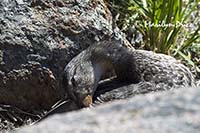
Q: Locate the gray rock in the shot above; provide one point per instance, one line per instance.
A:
(173, 111)
(37, 39)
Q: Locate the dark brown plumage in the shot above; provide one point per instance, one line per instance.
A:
(146, 70)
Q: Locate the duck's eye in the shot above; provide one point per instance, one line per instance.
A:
(74, 82)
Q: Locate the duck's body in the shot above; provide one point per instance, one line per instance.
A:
(139, 67)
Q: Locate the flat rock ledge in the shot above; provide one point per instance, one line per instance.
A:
(175, 111)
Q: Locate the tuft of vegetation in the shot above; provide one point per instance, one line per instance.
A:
(167, 26)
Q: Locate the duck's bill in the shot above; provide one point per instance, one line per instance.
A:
(87, 101)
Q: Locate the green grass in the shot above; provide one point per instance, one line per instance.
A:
(164, 26)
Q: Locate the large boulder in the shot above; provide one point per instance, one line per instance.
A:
(37, 39)
(173, 111)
